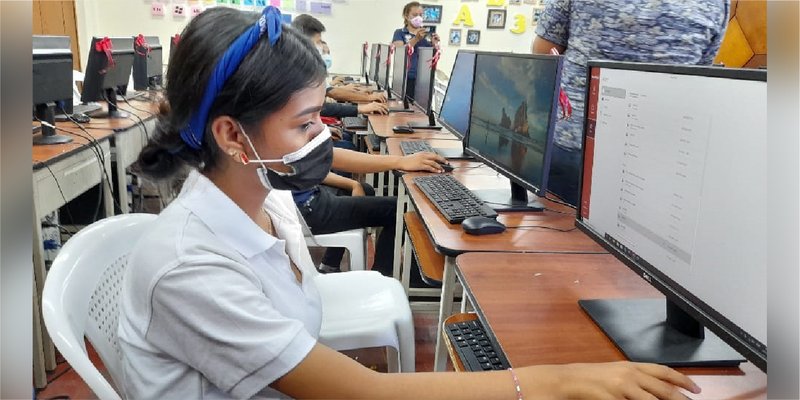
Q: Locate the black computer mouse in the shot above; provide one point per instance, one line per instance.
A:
(482, 226)
(402, 129)
(446, 167)
(82, 118)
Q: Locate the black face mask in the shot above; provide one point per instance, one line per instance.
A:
(310, 165)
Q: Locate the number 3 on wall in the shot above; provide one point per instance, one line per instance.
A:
(520, 24)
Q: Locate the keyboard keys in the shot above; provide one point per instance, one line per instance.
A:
(474, 347)
(451, 198)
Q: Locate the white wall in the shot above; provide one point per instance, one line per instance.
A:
(352, 23)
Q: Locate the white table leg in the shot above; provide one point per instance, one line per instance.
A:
(445, 310)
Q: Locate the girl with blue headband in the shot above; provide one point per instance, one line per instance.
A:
(219, 299)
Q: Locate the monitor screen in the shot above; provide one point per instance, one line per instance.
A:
(383, 68)
(513, 114)
(455, 107)
(424, 84)
(673, 184)
(399, 68)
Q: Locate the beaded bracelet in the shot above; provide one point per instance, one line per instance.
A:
(516, 383)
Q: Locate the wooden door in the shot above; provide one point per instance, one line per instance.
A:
(57, 18)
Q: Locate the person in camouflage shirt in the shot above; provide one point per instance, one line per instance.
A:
(656, 31)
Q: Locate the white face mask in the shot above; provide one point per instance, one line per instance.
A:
(328, 61)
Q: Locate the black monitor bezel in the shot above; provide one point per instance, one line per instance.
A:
(728, 331)
(374, 56)
(439, 118)
(432, 72)
(539, 191)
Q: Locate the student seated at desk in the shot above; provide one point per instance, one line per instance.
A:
(341, 203)
(313, 28)
(218, 299)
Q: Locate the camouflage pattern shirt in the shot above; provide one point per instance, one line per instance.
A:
(657, 31)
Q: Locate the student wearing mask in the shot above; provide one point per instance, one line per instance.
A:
(414, 34)
(667, 32)
(313, 28)
(218, 299)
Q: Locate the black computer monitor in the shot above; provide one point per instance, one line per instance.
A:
(373, 62)
(173, 44)
(384, 58)
(454, 114)
(674, 163)
(399, 72)
(511, 123)
(147, 63)
(52, 84)
(103, 79)
(423, 86)
(365, 62)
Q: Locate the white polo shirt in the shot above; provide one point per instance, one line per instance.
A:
(210, 307)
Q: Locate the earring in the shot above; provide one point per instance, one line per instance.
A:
(231, 152)
(244, 159)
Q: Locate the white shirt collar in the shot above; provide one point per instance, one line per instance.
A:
(224, 217)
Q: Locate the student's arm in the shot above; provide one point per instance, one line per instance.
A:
(341, 182)
(363, 163)
(312, 378)
(342, 94)
(398, 43)
(553, 27)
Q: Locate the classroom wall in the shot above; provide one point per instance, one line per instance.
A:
(351, 23)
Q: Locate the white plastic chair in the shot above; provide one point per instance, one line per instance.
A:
(354, 240)
(363, 309)
(80, 296)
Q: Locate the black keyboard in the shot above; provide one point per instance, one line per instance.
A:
(374, 142)
(477, 350)
(453, 200)
(409, 147)
(359, 122)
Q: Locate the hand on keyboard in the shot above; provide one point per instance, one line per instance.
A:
(374, 107)
(424, 161)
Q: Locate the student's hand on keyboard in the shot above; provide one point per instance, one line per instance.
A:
(357, 190)
(422, 161)
(374, 107)
(619, 380)
(378, 96)
(336, 133)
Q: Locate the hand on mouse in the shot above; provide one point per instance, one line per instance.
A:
(423, 161)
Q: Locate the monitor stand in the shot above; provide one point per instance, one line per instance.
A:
(113, 112)
(44, 112)
(647, 331)
(430, 125)
(505, 200)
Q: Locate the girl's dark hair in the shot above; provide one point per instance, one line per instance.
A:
(265, 80)
(408, 7)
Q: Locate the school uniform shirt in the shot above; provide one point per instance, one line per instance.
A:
(210, 307)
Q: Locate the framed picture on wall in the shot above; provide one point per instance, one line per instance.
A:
(496, 19)
(455, 37)
(431, 14)
(473, 36)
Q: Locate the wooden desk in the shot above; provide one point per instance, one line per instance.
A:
(530, 304)
(451, 240)
(65, 171)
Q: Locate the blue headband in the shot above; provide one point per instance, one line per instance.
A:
(270, 21)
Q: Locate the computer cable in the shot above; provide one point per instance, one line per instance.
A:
(93, 145)
(58, 185)
(125, 99)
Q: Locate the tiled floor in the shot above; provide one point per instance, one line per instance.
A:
(66, 384)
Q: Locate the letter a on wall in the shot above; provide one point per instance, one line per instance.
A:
(496, 3)
(464, 17)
